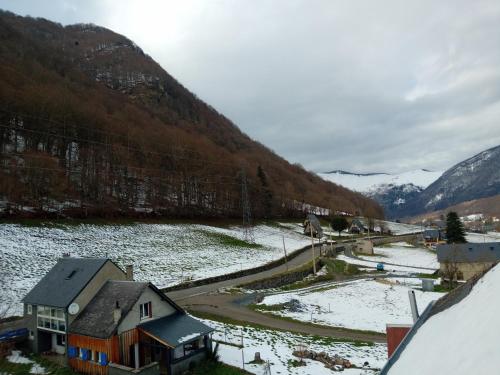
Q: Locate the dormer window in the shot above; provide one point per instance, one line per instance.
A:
(145, 310)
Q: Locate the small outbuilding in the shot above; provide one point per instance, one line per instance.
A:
(312, 225)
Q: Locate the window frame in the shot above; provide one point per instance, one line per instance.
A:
(145, 310)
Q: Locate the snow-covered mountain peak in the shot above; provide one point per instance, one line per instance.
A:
(369, 183)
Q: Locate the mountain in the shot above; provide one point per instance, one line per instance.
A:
(475, 178)
(372, 182)
(391, 191)
(91, 125)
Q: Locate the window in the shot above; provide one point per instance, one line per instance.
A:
(179, 352)
(145, 310)
(189, 348)
(51, 319)
(29, 309)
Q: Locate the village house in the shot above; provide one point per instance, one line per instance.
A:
(54, 303)
(433, 236)
(444, 337)
(468, 259)
(363, 247)
(133, 327)
(357, 226)
(313, 226)
(91, 312)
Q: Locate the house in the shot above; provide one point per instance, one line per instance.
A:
(468, 259)
(133, 327)
(54, 303)
(455, 335)
(433, 236)
(357, 226)
(363, 247)
(312, 225)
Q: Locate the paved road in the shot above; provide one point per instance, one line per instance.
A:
(227, 305)
(298, 261)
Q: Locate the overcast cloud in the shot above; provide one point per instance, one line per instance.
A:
(356, 85)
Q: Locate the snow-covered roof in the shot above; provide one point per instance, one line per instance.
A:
(456, 335)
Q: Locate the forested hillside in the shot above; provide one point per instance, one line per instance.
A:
(90, 125)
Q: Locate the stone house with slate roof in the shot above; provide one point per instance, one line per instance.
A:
(55, 302)
(469, 259)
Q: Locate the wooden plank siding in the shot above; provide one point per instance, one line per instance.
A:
(108, 346)
(126, 340)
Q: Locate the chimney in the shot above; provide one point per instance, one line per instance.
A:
(413, 305)
(117, 313)
(129, 270)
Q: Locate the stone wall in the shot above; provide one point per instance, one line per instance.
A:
(237, 274)
(283, 279)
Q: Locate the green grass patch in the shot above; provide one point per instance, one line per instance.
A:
(339, 267)
(226, 240)
(428, 275)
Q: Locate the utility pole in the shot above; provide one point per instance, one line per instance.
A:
(284, 250)
(312, 243)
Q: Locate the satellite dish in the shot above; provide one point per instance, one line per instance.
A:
(73, 308)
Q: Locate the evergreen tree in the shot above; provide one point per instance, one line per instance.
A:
(455, 232)
(339, 223)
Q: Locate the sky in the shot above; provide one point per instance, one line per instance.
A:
(362, 86)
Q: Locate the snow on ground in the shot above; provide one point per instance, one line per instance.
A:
(480, 237)
(404, 254)
(367, 182)
(277, 347)
(17, 357)
(468, 330)
(401, 228)
(387, 268)
(161, 253)
(362, 304)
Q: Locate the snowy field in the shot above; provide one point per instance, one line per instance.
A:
(277, 347)
(161, 253)
(479, 237)
(363, 304)
(404, 254)
(388, 268)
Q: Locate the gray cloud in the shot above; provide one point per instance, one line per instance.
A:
(358, 85)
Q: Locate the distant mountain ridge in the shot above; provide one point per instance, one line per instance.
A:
(391, 191)
(474, 178)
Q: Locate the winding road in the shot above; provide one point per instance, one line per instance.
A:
(211, 299)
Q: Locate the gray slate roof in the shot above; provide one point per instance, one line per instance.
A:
(313, 220)
(469, 252)
(97, 319)
(176, 329)
(62, 284)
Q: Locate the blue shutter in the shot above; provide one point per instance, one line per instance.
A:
(103, 359)
(85, 354)
(71, 352)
